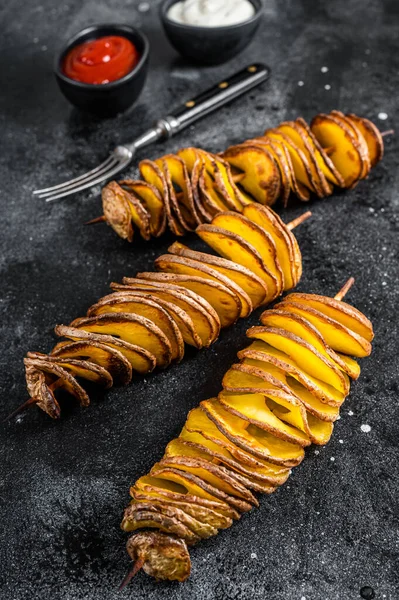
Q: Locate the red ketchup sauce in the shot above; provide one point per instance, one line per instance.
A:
(102, 60)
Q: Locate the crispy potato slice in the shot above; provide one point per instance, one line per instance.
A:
(173, 301)
(109, 358)
(172, 491)
(202, 275)
(280, 158)
(216, 475)
(130, 328)
(152, 174)
(164, 556)
(145, 307)
(152, 200)
(337, 310)
(117, 211)
(78, 368)
(225, 183)
(139, 214)
(226, 303)
(253, 439)
(261, 175)
(322, 158)
(67, 381)
(234, 247)
(180, 316)
(359, 137)
(256, 478)
(262, 356)
(278, 411)
(139, 358)
(208, 275)
(253, 376)
(199, 424)
(205, 320)
(40, 391)
(203, 514)
(193, 162)
(155, 520)
(299, 137)
(258, 410)
(289, 258)
(182, 189)
(198, 486)
(345, 151)
(176, 212)
(202, 530)
(252, 285)
(211, 198)
(255, 235)
(194, 299)
(304, 329)
(216, 179)
(192, 449)
(372, 137)
(300, 163)
(303, 353)
(336, 335)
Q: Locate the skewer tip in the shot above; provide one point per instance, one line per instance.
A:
(387, 132)
(100, 219)
(20, 409)
(301, 219)
(136, 568)
(345, 289)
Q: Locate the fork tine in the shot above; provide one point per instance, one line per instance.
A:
(54, 188)
(90, 182)
(115, 162)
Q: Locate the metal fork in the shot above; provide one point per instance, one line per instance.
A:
(192, 110)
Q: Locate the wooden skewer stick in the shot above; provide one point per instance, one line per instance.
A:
(31, 401)
(136, 568)
(345, 289)
(237, 177)
(27, 404)
(100, 219)
(387, 132)
(301, 219)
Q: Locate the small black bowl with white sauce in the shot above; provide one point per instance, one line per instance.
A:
(210, 31)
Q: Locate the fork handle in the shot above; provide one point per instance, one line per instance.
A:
(196, 108)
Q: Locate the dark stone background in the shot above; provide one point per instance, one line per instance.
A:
(333, 528)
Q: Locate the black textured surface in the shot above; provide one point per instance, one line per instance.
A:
(332, 529)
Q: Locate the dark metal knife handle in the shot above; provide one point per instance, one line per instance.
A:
(196, 108)
(215, 97)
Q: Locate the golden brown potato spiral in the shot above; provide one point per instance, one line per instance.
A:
(283, 395)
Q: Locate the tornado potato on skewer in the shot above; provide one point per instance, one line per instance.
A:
(183, 190)
(147, 320)
(283, 395)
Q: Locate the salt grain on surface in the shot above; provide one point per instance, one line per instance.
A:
(332, 458)
(254, 555)
(365, 428)
(350, 413)
(324, 69)
(327, 86)
(382, 116)
(144, 7)
(300, 83)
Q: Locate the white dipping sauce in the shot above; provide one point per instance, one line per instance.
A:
(211, 13)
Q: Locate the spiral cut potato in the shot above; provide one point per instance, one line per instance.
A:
(148, 319)
(284, 394)
(184, 190)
